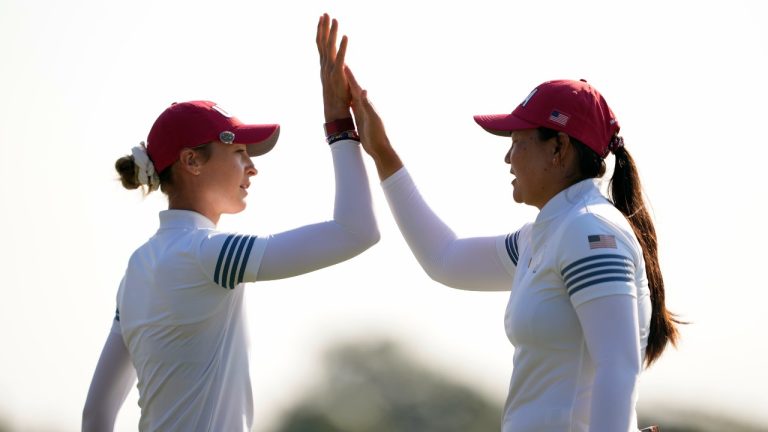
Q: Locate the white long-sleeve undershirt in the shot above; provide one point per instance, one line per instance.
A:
(464, 263)
(352, 230)
(474, 264)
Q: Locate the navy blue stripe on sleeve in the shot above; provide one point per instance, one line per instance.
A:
(576, 289)
(117, 314)
(228, 262)
(247, 254)
(216, 274)
(237, 264)
(512, 247)
(577, 265)
(597, 269)
(233, 259)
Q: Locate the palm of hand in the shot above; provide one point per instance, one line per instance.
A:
(336, 94)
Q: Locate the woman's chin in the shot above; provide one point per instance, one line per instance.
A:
(517, 195)
(236, 208)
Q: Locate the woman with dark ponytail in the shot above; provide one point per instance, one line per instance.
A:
(586, 307)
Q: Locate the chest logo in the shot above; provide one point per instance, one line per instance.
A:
(534, 263)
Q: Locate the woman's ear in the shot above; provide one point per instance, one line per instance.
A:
(189, 161)
(562, 149)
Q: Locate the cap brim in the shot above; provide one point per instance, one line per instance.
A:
(502, 124)
(259, 139)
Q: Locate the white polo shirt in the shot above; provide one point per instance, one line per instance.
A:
(180, 312)
(579, 248)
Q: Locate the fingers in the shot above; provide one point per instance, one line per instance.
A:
(327, 31)
(342, 52)
(353, 84)
(322, 33)
(319, 30)
(366, 103)
(331, 41)
(362, 106)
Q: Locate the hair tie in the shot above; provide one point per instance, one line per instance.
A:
(145, 169)
(616, 143)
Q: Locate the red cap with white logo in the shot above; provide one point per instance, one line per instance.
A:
(194, 123)
(573, 107)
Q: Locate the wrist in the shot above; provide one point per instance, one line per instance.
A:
(339, 125)
(346, 135)
(335, 110)
(336, 115)
(387, 161)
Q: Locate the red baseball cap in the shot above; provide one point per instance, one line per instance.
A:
(572, 107)
(194, 123)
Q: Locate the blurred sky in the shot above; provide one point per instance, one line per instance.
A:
(83, 80)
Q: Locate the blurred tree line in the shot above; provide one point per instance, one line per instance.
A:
(374, 387)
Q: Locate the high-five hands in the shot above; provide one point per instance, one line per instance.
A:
(341, 90)
(370, 127)
(336, 95)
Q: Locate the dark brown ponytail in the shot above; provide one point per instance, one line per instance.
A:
(626, 193)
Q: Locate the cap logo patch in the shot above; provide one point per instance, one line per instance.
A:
(559, 118)
(221, 111)
(530, 95)
(227, 137)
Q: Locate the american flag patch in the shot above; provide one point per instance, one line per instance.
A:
(602, 241)
(559, 118)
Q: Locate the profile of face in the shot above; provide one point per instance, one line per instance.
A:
(223, 180)
(531, 162)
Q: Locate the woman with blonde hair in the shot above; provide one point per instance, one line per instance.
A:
(180, 326)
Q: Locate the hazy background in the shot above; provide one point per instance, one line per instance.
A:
(83, 80)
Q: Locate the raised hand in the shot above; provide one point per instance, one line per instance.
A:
(370, 127)
(336, 94)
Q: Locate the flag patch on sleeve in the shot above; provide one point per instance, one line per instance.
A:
(601, 241)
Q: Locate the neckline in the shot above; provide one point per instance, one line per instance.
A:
(566, 198)
(174, 218)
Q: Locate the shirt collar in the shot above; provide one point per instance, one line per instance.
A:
(184, 219)
(567, 197)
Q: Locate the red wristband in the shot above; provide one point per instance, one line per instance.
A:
(338, 126)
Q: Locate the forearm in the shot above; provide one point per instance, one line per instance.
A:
(386, 159)
(612, 336)
(352, 230)
(613, 399)
(468, 263)
(428, 237)
(112, 381)
(353, 205)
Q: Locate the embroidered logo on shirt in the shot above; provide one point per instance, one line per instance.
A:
(602, 241)
(535, 262)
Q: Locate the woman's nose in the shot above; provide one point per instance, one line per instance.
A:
(251, 170)
(506, 157)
